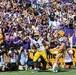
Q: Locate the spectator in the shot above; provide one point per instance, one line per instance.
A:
(13, 55)
(21, 18)
(68, 58)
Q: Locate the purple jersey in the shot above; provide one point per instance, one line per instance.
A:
(16, 40)
(9, 42)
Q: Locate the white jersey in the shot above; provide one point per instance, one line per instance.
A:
(38, 44)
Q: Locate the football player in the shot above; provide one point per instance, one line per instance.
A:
(60, 51)
(39, 43)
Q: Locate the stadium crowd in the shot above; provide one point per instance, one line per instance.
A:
(22, 18)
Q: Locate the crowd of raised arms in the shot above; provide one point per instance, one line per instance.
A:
(27, 25)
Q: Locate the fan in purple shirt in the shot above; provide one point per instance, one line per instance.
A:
(17, 41)
(8, 42)
(26, 44)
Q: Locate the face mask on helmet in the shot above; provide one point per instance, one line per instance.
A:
(36, 37)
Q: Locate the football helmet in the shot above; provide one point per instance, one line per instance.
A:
(61, 33)
(36, 35)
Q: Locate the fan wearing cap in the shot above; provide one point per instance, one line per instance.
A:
(38, 42)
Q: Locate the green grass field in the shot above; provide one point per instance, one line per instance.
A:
(64, 72)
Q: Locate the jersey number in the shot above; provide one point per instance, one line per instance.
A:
(37, 44)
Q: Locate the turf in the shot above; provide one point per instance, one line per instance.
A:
(63, 72)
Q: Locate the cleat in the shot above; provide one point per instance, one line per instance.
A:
(59, 70)
(55, 71)
(35, 71)
(52, 70)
